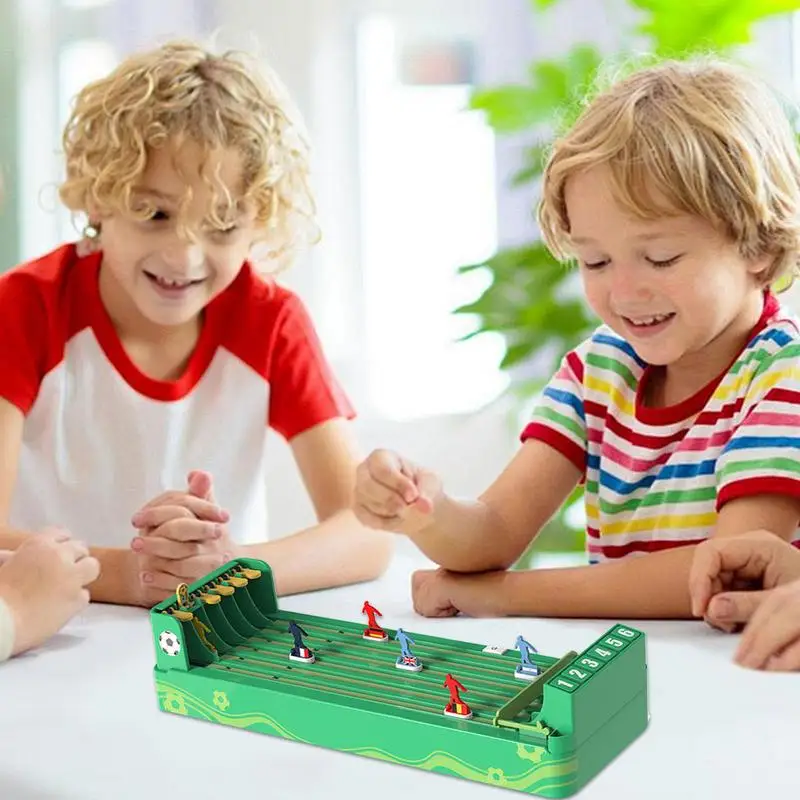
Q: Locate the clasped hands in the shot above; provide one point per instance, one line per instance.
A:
(181, 536)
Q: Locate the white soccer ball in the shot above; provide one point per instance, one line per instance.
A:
(169, 643)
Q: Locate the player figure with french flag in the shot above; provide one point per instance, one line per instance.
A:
(299, 652)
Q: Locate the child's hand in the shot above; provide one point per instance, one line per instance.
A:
(393, 494)
(771, 639)
(440, 593)
(183, 536)
(722, 566)
(433, 593)
(44, 583)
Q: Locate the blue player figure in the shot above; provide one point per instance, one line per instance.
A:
(406, 660)
(299, 652)
(526, 670)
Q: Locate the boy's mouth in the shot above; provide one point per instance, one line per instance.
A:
(652, 321)
(172, 284)
(645, 327)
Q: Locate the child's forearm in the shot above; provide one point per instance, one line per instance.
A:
(466, 536)
(655, 586)
(117, 581)
(11, 539)
(336, 552)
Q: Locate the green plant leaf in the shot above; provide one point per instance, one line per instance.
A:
(568, 81)
(543, 5)
(550, 80)
(681, 27)
(521, 351)
(534, 161)
(555, 91)
(511, 108)
(510, 260)
(525, 175)
(582, 64)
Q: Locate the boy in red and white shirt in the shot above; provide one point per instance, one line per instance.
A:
(134, 375)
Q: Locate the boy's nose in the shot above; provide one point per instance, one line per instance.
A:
(630, 284)
(184, 256)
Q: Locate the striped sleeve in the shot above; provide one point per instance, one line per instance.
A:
(559, 418)
(763, 454)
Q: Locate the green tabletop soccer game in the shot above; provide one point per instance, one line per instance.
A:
(501, 714)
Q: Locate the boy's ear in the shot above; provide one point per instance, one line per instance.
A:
(761, 267)
(86, 246)
(90, 239)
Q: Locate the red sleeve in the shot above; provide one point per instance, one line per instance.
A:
(23, 338)
(303, 390)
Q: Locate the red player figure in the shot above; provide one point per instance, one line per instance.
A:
(456, 707)
(373, 630)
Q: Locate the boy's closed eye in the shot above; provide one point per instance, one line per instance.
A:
(665, 262)
(221, 234)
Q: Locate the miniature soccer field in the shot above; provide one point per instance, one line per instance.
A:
(226, 653)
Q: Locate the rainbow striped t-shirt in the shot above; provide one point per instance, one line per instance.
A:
(654, 478)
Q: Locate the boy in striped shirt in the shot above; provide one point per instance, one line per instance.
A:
(678, 194)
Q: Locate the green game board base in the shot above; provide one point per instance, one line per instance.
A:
(504, 763)
(549, 737)
(500, 762)
(611, 740)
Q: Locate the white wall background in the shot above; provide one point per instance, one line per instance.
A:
(381, 282)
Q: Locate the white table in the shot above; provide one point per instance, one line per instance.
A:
(79, 721)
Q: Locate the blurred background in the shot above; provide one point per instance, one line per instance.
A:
(428, 120)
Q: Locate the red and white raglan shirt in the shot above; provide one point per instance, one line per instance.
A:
(101, 438)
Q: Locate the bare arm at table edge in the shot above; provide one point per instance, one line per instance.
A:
(494, 531)
(116, 583)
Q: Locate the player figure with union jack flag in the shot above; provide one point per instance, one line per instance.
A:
(406, 660)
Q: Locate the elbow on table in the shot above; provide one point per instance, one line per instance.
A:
(465, 563)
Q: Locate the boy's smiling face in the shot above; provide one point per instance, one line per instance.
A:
(166, 269)
(671, 287)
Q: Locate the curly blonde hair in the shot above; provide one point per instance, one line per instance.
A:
(181, 92)
(699, 137)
